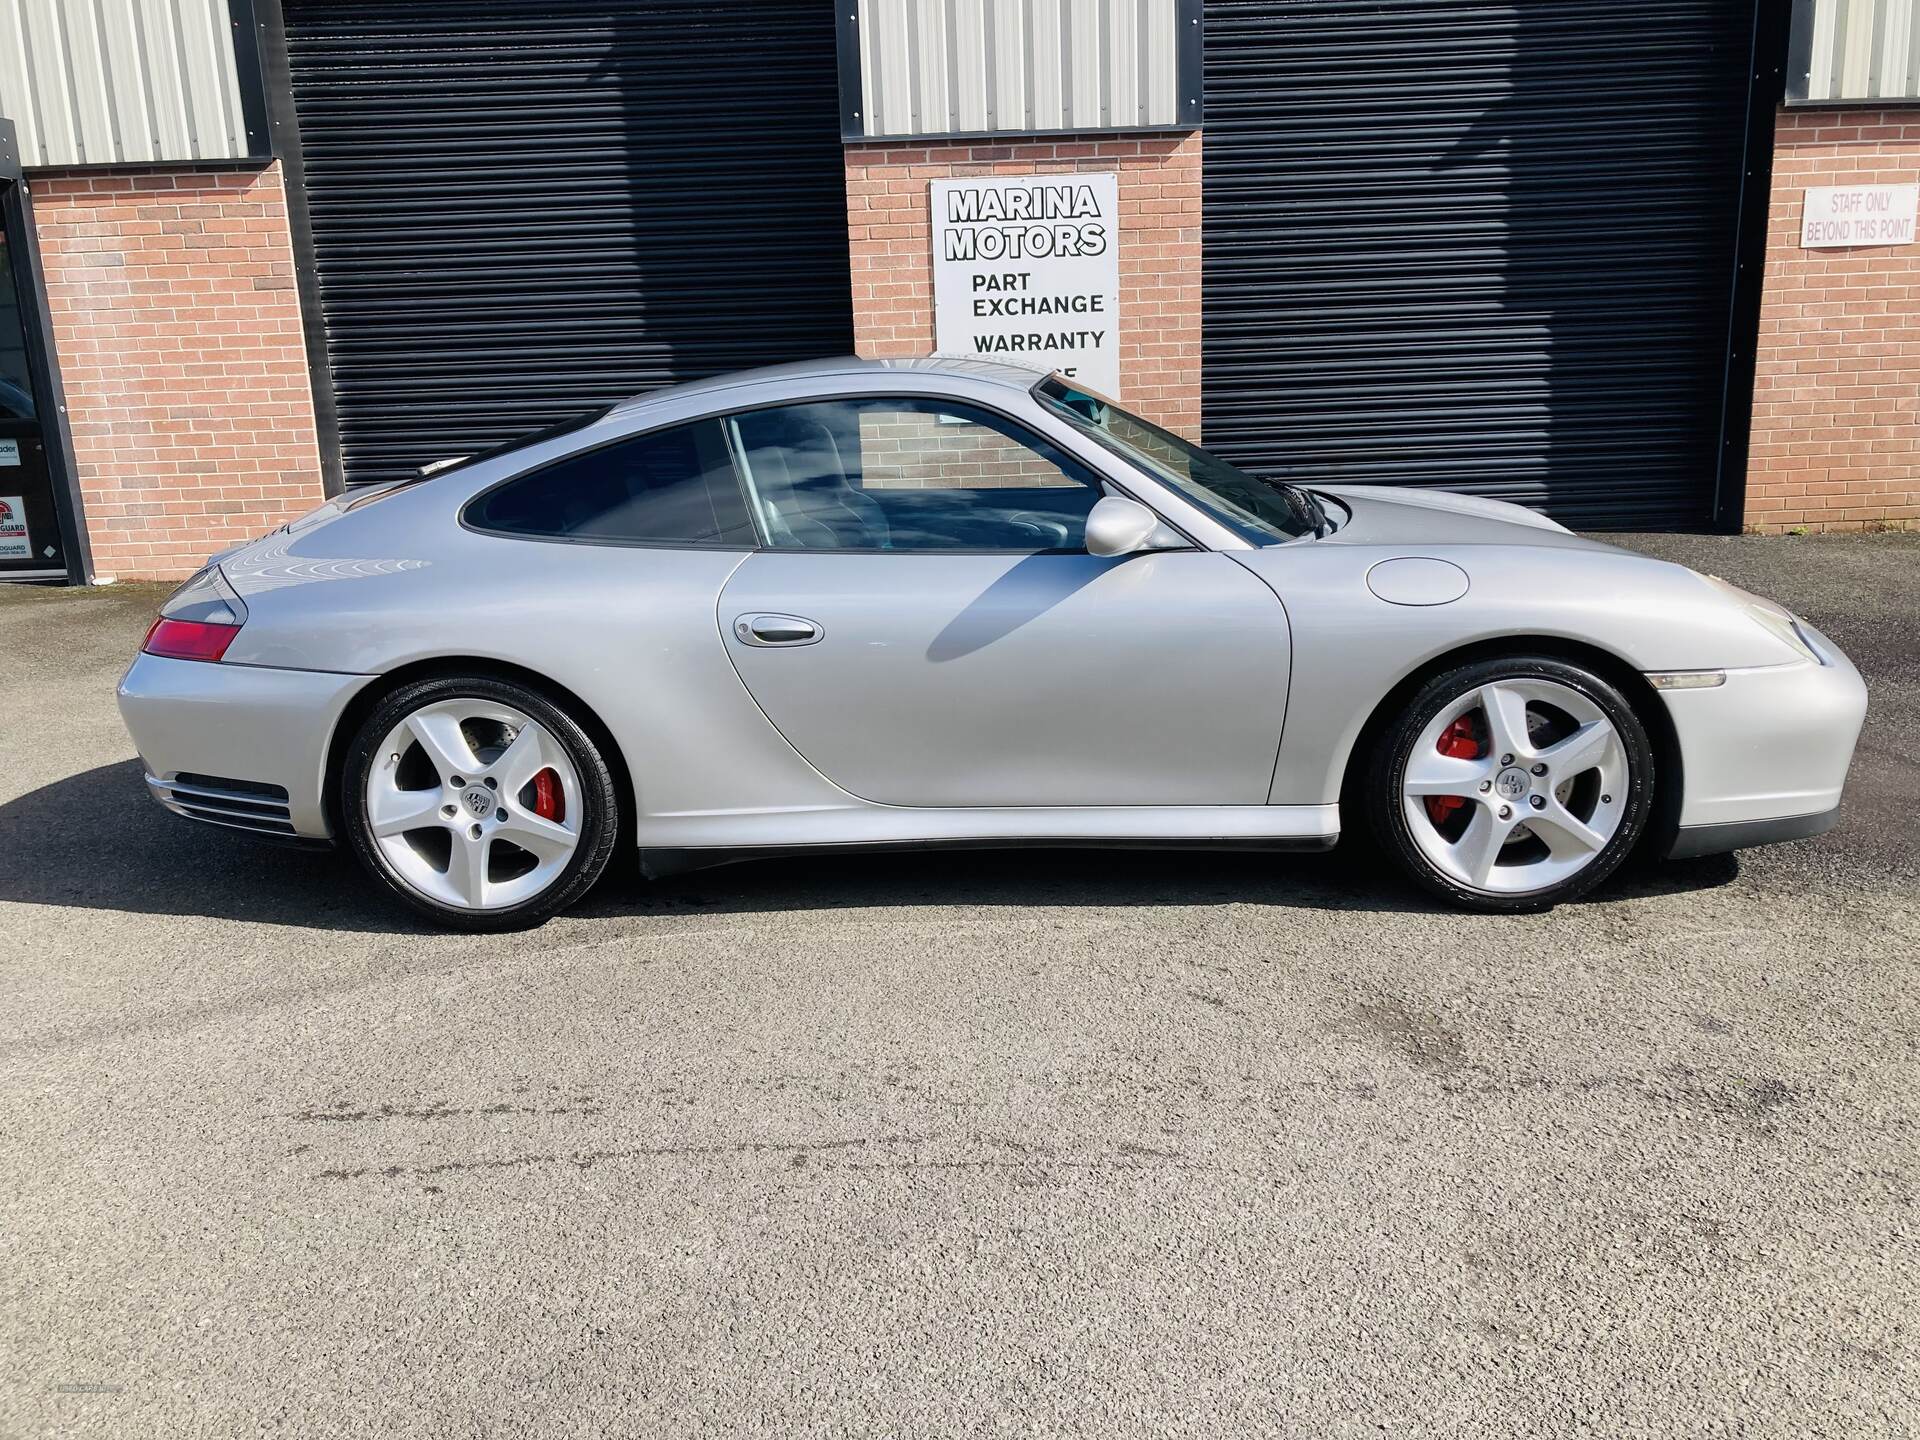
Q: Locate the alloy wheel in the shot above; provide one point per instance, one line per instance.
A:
(1515, 786)
(474, 804)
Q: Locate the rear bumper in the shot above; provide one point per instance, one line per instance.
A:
(1766, 754)
(217, 724)
(1694, 840)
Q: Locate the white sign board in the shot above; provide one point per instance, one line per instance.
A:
(9, 452)
(1837, 215)
(15, 544)
(1026, 271)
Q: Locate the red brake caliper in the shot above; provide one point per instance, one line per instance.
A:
(1459, 741)
(549, 800)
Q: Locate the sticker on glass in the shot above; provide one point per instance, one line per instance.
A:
(15, 543)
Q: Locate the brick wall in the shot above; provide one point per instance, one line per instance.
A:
(890, 232)
(177, 330)
(1836, 406)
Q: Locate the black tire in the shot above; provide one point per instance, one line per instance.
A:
(1386, 769)
(599, 824)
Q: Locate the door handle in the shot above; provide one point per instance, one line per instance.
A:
(768, 630)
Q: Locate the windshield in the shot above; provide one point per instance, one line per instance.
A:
(1261, 511)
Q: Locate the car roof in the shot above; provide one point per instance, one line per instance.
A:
(846, 367)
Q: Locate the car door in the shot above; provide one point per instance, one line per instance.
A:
(925, 625)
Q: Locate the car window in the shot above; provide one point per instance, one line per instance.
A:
(1258, 511)
(518, 442)
(668, 487)
(909, 474)
(16, 385)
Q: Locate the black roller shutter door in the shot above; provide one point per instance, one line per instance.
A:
(522, 208)
(1488, 247)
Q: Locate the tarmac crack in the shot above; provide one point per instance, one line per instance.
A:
(586, 1159)
(437, 1112)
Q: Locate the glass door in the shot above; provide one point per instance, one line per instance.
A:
(30, 541)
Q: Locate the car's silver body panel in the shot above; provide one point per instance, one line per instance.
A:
(950, 680)
(1651, 615)
(268, 726)
(1210, 693)
(1774, 741)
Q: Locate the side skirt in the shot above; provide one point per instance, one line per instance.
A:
(658, 864)
(670, 844)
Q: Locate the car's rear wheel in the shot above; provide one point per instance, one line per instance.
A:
(1512, 784)
(479, 802)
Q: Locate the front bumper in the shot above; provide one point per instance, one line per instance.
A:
(218, 724)
(1764, 757)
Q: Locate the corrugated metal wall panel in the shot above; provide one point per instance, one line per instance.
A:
(112, 82)
(928, 56)
(971, 67)
(1486, 246)
(1160, 89)
(1854, 52)
(1039, 46)
(1090, 67)
(520, 211)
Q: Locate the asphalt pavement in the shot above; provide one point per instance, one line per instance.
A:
(1055, 1143)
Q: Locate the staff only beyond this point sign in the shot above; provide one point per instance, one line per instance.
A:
(1837, 215)
(1026, 271)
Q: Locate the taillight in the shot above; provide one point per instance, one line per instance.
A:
(199, 620)
(188, 639)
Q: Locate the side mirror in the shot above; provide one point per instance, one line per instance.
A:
(1119, 526)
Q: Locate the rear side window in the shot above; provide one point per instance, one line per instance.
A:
(669, 487)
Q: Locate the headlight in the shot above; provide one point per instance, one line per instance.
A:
(1777, 620)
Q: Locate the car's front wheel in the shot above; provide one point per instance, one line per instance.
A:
(479, 802)
(1512, 784)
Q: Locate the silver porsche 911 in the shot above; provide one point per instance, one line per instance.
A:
(850, 605)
